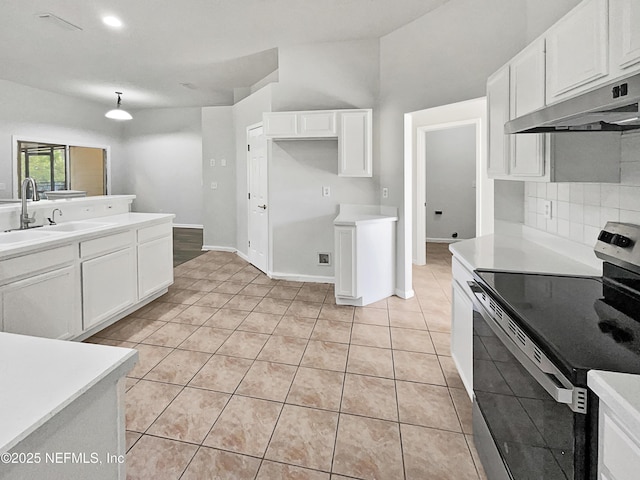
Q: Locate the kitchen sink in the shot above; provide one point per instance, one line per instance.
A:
(18, 236)
(75, 226)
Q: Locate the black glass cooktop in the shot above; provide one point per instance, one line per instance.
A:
(581, 323)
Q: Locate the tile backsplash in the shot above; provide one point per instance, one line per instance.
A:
(580, 210)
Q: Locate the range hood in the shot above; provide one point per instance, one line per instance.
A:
(613, 107)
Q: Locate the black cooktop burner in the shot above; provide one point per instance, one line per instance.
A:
(581, 323)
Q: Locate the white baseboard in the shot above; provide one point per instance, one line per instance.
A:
(405, 293)
(243, 256)
(293, 277)
(216, 248)
(188, 225)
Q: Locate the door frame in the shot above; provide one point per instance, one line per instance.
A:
(268, 250)
(60, 141)
(474, 110)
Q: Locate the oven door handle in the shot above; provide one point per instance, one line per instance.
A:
(548, 381)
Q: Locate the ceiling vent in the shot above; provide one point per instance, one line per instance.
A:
(60, 22)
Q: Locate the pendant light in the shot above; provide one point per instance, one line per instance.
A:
(118, 113)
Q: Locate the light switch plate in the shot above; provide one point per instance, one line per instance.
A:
(214, 185)
(223, 162)
(212, 162)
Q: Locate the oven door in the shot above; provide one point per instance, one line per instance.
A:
(521, 431)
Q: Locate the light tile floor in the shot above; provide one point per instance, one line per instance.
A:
(242, 377)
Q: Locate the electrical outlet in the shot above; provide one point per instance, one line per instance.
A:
(385, 192)
(547, 209)
(214, 185)
(326, 191)
(223, 162)
(212, 162)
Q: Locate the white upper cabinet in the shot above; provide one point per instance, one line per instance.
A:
(352, 128)
(355, 144)
(317, 124)
(624, 37)
(281, 124)
(527, 88)
(497, 116)
(577, 51)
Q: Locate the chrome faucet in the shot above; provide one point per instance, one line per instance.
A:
(25, 219)
(52, 218)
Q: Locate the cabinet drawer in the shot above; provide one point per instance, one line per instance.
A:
(157, 231)
(110, 243)
(461, 274)
(36, 262)
(619, 451)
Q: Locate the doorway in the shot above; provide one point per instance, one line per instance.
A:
(450, 166)
(417, 124)
(258, 228)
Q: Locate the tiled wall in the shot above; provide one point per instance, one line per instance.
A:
(580, 210)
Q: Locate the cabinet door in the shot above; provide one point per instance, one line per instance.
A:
(624, 37)
(527, 84)
(317, 124)
(577, 50)
(155, 266)
(354, 144)
(108, 286)
(462, 334)
(345, 270)
(46, 305)
(497, 116)
(280, 124)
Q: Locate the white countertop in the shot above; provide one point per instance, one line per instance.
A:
(621, 392)
(357, 219)
(516, 254)
(353, 214)
(39, 377)
(104, 225)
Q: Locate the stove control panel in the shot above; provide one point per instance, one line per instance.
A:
(618, 243)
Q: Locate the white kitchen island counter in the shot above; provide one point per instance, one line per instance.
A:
(61, 398)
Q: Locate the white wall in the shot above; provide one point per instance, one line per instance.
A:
(450, 181)
(219, 206)
(301, 218)
(580, 210)
(34, 114)
(317, 76)
(445, 57)
(164, 162)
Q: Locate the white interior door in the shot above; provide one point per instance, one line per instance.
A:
(258, 200)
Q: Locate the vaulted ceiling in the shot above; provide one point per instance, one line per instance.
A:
(171, 53)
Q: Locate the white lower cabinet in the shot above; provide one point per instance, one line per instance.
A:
(108, 286)
(462, 325)
(45, 305)
(618, 448)
(155, 265)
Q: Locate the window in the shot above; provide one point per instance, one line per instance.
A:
(45, 163)
(62, 167)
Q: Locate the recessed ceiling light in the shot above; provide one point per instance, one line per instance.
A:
(112, 21)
